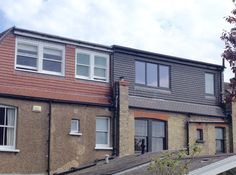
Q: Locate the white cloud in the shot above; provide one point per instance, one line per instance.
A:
(184, 28)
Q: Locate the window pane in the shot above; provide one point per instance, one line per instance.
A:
(209, 83)
(157, 144)
(2, 116)
(139, 72)
(219, 146)
(151, 74)
(52, 54)
(27, 49)
(10, 117)
(100, 72)
(164, 76)
(1, 135)
(82, 71)
(138, 143)
(219, 133)
(100, 61)
(74, 126)
(101, 138)
(52, 66)
(26, 61)
(140, 127)
(102, 124)
(158, 129)
(83, 59)
(9, 136)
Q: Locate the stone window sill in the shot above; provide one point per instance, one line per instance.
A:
(75, 134)
(103, 148)
(9, 150)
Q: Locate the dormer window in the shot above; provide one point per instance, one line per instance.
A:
(40, 57)
(92, 65)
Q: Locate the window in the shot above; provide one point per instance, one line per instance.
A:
(220, 148)
(199, 136)
(92, 65)
(153, 132)
(7, 128)
(153, 75)
(209, 84)
(40, 57)
(75, 127)
(102, 132)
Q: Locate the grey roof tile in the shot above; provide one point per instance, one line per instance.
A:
(182, 107)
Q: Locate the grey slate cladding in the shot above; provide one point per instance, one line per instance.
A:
(187, 82)
(174, 106)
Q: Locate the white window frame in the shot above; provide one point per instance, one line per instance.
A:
(92, 55)
(40, 45)
(77, 131)
(104, 146)
(13, 147)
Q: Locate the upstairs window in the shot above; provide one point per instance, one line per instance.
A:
(27, 56)
(153, 75)
(209, 84)
(40, 57)
(7, 128)
(92, 65)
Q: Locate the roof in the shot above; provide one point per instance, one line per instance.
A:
(55, 38)
(168, 58)
(137, 165)
(174, 106)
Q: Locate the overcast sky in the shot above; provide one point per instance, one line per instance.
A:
(184, 28)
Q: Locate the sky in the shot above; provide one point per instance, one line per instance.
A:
(184, 28)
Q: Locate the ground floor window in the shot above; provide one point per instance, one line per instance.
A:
(220, 145)
(7, 127)
(152, 133)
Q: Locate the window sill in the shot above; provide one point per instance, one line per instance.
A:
(200, 141)
(210, 97)
(152, 89)
(103, 148)
(9, 150)
(88, 79)
(39, 72)
(75, 134)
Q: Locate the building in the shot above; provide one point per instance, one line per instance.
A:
(65, 102)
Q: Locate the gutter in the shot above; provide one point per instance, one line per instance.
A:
(187, 135)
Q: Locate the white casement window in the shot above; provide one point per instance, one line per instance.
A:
(7, 128)
(75, 127)
(209, 84)
(102, 132)
(40, 57)
(92, 65)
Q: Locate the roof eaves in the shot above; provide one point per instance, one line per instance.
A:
(59, 39)
(153, 54)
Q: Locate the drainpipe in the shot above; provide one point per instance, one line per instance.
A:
(49, 136)
(187, 134)
(115, 118)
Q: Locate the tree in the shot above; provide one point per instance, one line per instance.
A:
(174, 162)
(229, 54)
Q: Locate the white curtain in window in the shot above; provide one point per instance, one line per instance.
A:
(10, 128)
